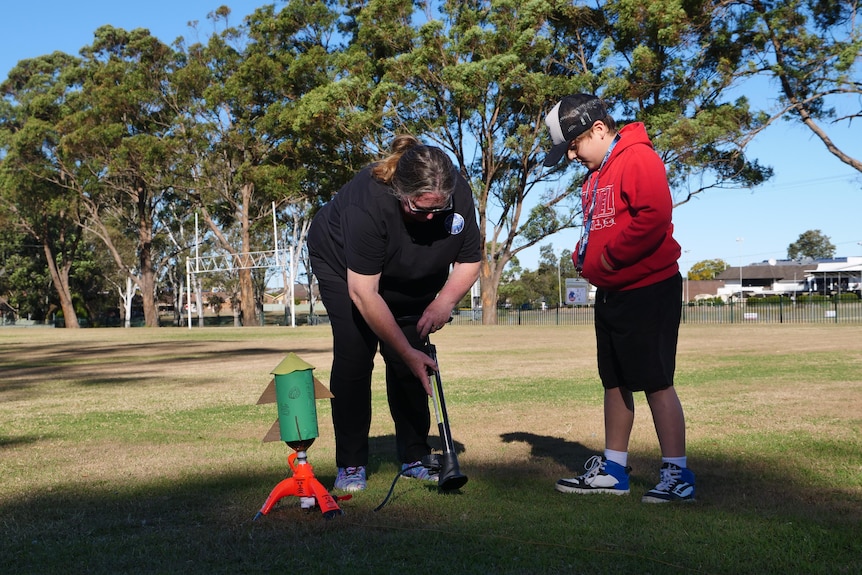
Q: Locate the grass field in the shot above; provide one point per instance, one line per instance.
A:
(139, 451)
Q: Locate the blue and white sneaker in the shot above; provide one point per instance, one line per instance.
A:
(677, 484)
(602, 476)
(416, 470)
(351, 478)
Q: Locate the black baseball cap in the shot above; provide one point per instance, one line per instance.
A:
(568, 119)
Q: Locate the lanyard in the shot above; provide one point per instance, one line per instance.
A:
(588, 220)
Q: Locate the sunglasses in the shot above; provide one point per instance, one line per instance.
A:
(416, 210)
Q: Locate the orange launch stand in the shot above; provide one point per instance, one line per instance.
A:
(305, 485)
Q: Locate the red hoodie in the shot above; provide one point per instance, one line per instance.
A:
(631, 222)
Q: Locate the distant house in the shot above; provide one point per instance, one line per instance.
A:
(300, 295)
(277, 301)
(272, 301)
(694, 290)
(790, 277)
(836, 276)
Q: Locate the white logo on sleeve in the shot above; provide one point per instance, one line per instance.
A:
(455, 224)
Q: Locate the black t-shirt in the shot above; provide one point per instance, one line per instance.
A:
(363, 228)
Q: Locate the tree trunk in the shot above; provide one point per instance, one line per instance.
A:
(60, 277)
(148, 297)
(179, 287)
(126, 298)
(147, 275)
(199, 298)
(237, 310)
(246, 282)
(247, 303)
(489, 293)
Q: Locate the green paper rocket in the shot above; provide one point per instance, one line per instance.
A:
(294, 389)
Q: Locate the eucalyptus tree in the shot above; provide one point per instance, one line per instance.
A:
(339, 124)
(26, 288)
(811, 51)
(552, 271)
(673, 66)
(811, 244)
(679, 64)
(239, 81)
(91, 281)
(116, 279)
(707, 269)
(226, 144)
(512, 291)
(126, 136)
(277, 119)
(328, 121)
(477, 82)
(483, 73)
(35, 196)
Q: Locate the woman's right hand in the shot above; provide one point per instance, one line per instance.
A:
(422, 366)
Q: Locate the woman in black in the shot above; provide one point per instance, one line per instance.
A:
(399, 240)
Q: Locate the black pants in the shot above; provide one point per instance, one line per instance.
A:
(354, 348)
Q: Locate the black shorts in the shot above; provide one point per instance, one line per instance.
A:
(636, 335)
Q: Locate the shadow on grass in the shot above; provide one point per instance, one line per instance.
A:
(203, 523)
(565, 453)
(732, 483)
(137, 363)
(382, 447)
(506, 520)
(7, 441)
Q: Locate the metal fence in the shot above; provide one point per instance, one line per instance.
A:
(826, 312)
(821, 312)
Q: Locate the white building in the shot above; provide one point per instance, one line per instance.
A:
(788, 277)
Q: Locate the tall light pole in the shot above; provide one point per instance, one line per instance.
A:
(739, 241)
(859, 284)
(560, 279)
(685, 292)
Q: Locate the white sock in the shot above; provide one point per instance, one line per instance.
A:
(678, 461)
(618, 457)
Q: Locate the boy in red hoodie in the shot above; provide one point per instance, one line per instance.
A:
(628, 252)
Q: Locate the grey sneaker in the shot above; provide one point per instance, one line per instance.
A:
(677, 484)
(416, 470)
(602, 476)
(351, 478)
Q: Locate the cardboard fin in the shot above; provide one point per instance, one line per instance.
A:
(274, 433)
(268, 395)
(320, 390)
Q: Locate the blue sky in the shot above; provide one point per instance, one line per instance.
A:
(811, 188)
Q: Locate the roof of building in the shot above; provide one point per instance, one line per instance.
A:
(779, 271)
(792, 270)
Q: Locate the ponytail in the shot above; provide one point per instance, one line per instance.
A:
(385, 169)
(413, 169)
